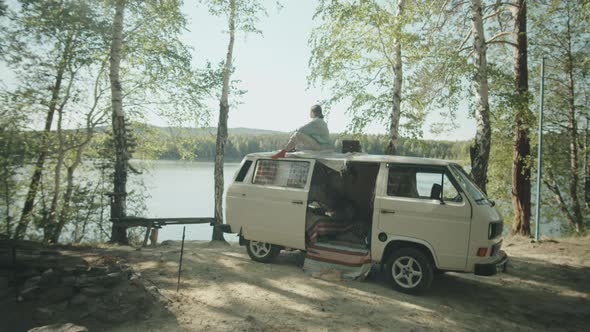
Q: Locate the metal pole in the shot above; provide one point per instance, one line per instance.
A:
(540, 153)
(180, 263)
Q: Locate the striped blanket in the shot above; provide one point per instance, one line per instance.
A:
(337, 262)
(326, 227)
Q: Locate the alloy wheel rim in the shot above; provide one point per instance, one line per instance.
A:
(260, 249)
(406, 272)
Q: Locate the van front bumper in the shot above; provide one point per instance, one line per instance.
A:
(490, 269)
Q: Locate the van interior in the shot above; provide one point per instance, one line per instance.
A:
(340, 209)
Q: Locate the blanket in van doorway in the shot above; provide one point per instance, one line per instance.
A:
(326, 227)
(337, 262)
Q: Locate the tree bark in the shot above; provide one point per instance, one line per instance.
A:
(480, 150)
(397, 84)
(27, 211)
(587, 164)
(48, 225)
(50, 221)
(119, 195)
(222, 128)
(573, 135)
(521, 171)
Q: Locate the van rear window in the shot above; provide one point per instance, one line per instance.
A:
(243, 171)
(282, 173)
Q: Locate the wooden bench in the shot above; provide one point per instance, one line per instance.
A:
(154, 224)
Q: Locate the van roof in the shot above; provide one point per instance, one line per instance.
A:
(355, 157)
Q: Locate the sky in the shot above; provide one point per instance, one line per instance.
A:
(273, 69)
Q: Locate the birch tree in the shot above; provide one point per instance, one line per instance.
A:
(118, 199)
(155, 66)
(242, 15)
(361, 51)
(44, 44)
(444, 22)
(398, 73)
(513, 104)
(147, 54)
(480, 151)
(587, 163)
(222, 124)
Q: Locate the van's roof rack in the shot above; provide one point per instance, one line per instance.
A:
(337, 161)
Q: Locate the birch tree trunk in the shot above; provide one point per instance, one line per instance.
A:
(480, 150)
(521, 171)
(119, 195)
(397, 84)
(587, 163)
(222, 128)
(26, 213)
(573, 135)
(49, 223)
(51, 220)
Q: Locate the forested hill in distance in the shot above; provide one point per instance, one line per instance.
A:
(175, 143)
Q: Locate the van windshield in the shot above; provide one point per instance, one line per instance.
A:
(471, 188)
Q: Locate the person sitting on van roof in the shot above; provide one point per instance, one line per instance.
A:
(313, 136)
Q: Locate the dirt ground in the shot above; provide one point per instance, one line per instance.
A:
(546, 287)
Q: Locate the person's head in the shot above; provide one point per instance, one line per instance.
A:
(316, 112)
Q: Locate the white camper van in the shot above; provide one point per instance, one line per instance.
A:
(414, 216)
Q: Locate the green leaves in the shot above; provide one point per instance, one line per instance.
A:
(353, 57)
(248, 12)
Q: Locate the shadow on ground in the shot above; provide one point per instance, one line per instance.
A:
(227, 290)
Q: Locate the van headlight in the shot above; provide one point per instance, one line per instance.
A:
(494, 230)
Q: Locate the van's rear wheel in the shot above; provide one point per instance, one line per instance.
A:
(410, 270)
(262, 251)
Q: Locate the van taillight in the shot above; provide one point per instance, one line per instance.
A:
(482, 252)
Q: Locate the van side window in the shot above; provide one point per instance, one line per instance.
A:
(243, 171)
(421, 182)
(282, 173)
(450, 193)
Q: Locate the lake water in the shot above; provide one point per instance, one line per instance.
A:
(183, 189)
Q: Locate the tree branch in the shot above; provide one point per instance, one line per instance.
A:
(502, 42)
(498, 35)
(465, 40)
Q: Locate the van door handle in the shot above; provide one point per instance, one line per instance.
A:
(385, 211)
(297, 202)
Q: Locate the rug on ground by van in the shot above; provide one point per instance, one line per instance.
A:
(336, 262)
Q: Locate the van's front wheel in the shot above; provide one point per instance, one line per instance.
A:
(410, 270)
(262, 251)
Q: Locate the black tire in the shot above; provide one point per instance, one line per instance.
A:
(410, 270)
(262, 252)
(438, 273)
